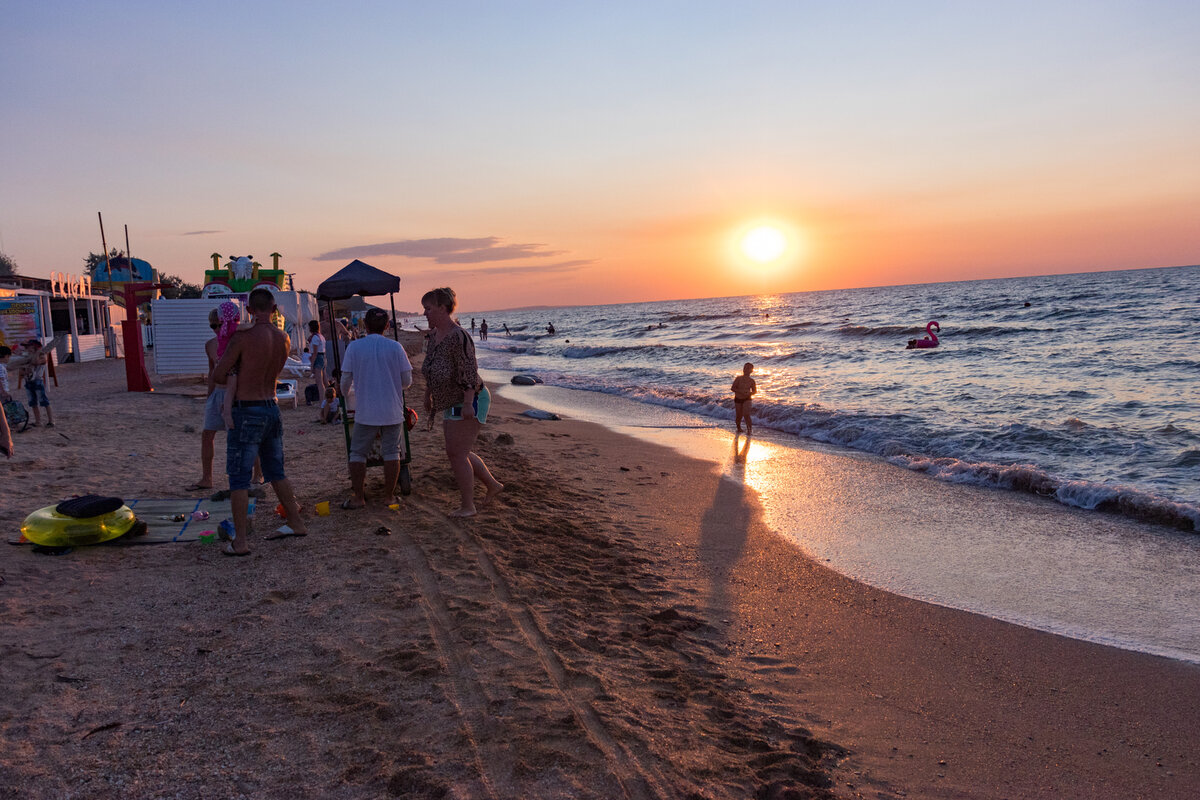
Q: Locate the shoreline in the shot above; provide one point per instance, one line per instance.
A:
(1028, 560)
(624, 621)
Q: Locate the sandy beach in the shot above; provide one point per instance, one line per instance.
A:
(621, 623)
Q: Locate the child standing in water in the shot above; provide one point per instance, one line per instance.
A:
(743, 387)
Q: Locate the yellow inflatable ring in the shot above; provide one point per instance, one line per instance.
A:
(47, 527)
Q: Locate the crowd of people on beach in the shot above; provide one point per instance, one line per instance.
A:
(246, 359)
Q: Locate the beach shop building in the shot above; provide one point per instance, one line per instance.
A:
(62, 306)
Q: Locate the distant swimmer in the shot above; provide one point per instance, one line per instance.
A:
(743, 389)
(550, 329)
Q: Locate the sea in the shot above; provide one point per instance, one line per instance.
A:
(1078, 388)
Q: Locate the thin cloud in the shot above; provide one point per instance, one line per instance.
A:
(445, 250)
(478, 272)
(200, 233)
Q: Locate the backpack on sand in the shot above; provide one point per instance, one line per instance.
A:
(17, 415)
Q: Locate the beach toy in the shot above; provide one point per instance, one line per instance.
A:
(47, 527)
(323, 508)
(929, 341)
(208, 537)
(199, 516)
(394, 506)
(282, 512)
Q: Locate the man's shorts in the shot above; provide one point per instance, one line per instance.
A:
(257, 431)
(36, 390)
(483, 401)
(213, 421)
(318, 362)
(364, 436)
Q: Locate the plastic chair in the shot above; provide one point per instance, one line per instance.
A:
(285, 390)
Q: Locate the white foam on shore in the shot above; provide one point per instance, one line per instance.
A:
(1018, 558)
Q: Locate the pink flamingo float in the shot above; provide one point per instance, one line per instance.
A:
(933, 329)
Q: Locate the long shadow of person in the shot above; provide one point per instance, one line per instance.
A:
(724, 529)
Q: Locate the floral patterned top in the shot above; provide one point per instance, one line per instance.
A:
(450, 369)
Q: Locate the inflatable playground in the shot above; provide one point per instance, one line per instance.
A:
(241, 275)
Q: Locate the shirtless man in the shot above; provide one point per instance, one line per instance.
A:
(258, 354)
(213, 419)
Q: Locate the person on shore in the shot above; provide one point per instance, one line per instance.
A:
(453, 386)
(483, 331)
(743, 389)
(506, 330)
(6, 444)
(316, 354)
(5, 354)
(380, 371)
(258, 354)
(34, 374)
(330, 412)
(213, 409)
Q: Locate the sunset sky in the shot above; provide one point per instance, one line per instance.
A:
(567, 153)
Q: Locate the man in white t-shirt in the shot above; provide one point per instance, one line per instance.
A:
(380, 371)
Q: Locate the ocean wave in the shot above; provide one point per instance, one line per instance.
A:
(878, 330)
(1124, 500)
(703, 317)
(584, 351)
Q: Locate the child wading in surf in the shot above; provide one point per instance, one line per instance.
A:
(743, 387)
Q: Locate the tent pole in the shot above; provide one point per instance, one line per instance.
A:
(395, 327)
(337, 367)
(104, 255)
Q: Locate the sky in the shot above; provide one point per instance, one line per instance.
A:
(566, 153)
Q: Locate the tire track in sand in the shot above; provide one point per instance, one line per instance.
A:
(493, 757)
(638, 780)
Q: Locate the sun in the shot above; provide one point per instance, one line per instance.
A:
(764, 244)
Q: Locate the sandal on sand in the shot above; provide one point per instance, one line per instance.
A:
(282, 533)
(349, 505)
(198, 487)
(228, 550)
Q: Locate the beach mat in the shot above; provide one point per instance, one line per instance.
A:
(160, 530)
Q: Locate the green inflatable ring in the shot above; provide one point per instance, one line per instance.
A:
(47, 527)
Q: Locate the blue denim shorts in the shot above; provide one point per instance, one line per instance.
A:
(257, 431)
(318, 361)
(36, 389)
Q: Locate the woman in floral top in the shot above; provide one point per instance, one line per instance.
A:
(452, 386)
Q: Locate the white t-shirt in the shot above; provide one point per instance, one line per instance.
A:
(316, 344)
(4, 378)
(380, 370)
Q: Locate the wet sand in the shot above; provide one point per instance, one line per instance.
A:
(620, 624)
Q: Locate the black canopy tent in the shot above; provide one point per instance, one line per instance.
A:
(360, 278)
